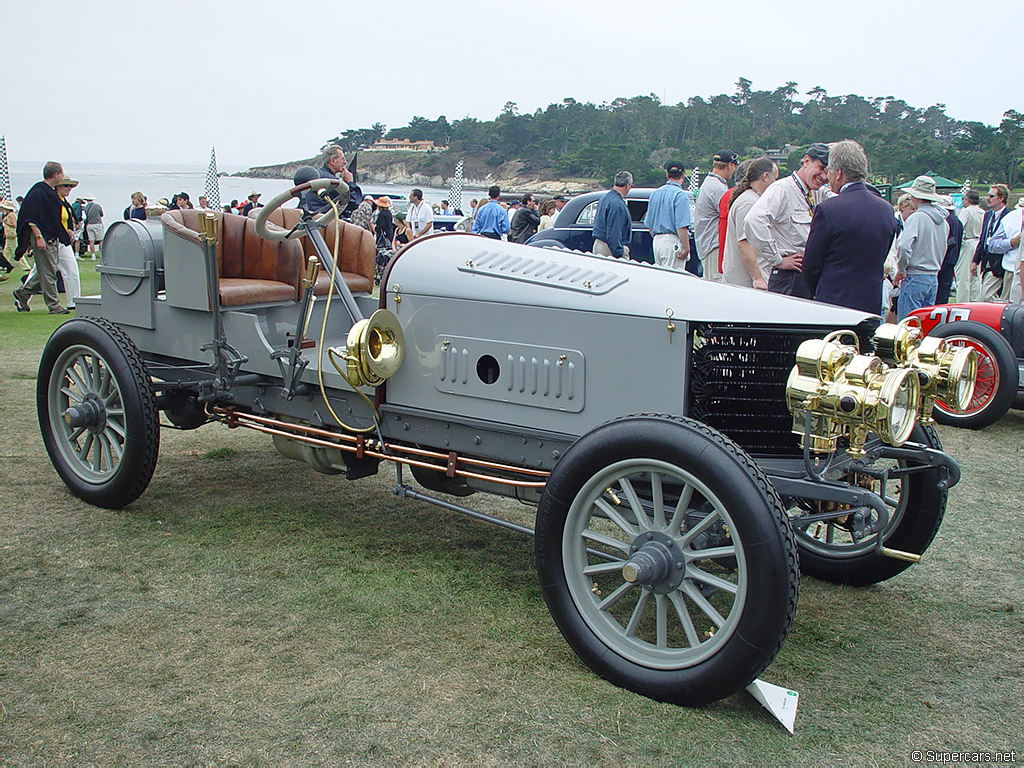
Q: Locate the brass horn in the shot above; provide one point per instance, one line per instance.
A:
(374, 349)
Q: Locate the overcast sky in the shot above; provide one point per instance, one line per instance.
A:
(267, 82)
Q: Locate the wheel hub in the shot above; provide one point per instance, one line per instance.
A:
(656, 562)
(89, 413)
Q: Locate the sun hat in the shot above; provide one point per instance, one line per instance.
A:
(1020, 202)
(88, 198)
(923, 188)
(254, 193)
(66, 182)
(384, 201)
(399, 216)
(6, 205)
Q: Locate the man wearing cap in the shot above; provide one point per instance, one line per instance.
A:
(491, 220)
(989, 263)
(613, 227)
(560, 202)
(706, 217)
(780, 221)
(252, 202)
(668, 219)
(40, 230)
(921, 248)
(850, 235)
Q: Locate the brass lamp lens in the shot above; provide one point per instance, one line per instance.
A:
(900, 395)
(964, 371)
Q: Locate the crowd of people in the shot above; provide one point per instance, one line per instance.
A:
(821, 233)
(825, 233)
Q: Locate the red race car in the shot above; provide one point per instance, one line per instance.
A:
(996, 331)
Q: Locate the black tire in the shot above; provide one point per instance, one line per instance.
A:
(996, 387)
(916, 515)
(642, 644)
(107, 454)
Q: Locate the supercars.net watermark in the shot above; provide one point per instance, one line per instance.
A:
(943, 757)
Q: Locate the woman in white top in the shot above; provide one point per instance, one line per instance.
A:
(548, 214)
(740, 265)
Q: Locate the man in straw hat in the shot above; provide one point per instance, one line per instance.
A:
(921, 247)
(252, 202)
(40, 230)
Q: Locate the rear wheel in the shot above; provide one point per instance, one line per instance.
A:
(665, 559)
(996, 386)
(97, 412)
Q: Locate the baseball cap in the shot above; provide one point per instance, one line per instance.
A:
(726, 156)
(818, 151)
(674, 166)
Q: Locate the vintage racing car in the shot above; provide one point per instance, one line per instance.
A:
(996, 332)
(684, 442)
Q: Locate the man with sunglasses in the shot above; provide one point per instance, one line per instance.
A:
(989, 263)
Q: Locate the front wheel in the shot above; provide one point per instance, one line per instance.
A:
(665, 559)
(996, 387)
(916, 504)
(97, 412)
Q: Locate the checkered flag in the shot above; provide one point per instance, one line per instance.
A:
(695, 180)
(455, 194)
(213, 181)
(966, 185)
(5, 176)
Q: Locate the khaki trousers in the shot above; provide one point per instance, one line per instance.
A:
(44, 280)
(601, 249)
(710, 263)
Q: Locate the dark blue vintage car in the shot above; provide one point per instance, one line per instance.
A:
(574, 227)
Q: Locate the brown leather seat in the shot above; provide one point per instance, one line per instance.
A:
(357, 252)
(250, 270)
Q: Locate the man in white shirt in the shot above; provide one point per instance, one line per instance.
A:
(780, 221)
(420, 215)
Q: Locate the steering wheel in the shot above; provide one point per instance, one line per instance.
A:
(315, 186)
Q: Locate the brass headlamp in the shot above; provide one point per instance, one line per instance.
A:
(945, 372)
(846, 393)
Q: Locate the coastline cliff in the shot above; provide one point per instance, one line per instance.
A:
(435, 169)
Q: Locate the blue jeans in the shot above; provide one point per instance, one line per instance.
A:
(917, 291)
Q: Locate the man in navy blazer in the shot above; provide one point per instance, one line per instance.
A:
(850, 236)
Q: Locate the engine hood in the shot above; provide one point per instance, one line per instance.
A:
(463, 266)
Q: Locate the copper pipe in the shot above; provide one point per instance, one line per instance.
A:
(304, 433)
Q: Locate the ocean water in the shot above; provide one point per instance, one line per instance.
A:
(112, 184)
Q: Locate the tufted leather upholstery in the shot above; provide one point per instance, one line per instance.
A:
(357, 252)
(250, 270)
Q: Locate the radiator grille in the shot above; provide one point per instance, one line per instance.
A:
(738, 383)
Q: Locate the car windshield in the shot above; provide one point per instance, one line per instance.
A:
(637, 210)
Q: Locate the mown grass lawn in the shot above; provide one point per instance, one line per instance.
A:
(248, 610)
